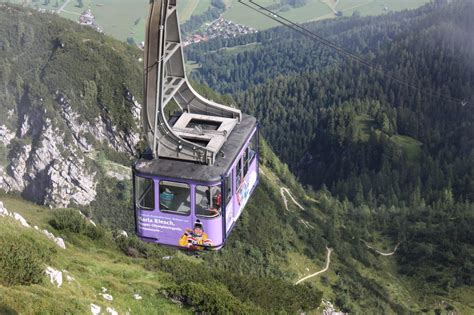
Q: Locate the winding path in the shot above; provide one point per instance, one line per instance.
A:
(382, 253)
(63, 6)
(284, 190)
(328, 262)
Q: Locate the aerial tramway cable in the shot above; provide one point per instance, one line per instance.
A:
(341, 50)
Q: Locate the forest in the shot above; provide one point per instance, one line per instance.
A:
(401, 154)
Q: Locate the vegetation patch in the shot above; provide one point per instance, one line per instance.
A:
(72, 221)
(365, 125)
(23, 257)
(283, 296)
(409, 145)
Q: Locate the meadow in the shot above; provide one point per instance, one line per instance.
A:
(316, 10)
(124, 19)
(119, 18)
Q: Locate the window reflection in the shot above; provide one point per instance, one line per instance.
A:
(208, 201)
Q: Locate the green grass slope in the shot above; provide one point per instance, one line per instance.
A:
(125, 267)
(93, 265)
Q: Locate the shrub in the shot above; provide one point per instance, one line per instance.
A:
(7, 310)
(23, 259)
(132, 246)
(72, 221)
(210, 298)
(270, 294)
(94, 232)
(68, 220)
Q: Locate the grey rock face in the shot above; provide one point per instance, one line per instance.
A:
(13, 178)
(69, 181)
(6, 136)
(101, 129)
(48, 154)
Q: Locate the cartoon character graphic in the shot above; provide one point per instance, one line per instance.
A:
(195, 239)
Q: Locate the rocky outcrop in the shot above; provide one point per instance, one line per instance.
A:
(329, 308)
(48, 160)
(13, 179)
(101, 129)
(95, 309)
(6, 135)
(69, 181)
(57, 240)
(17, 217)
(20, 219)
(55, 276)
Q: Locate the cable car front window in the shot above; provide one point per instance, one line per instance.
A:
(208, 201)
(175, 198)
(145, 193)
(250, 153)
(253, 147)
(228, 188)
(238, 172)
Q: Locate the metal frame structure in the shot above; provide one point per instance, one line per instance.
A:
(165, 82)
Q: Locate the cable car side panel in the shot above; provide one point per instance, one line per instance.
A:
(171, 218)
(245, 177)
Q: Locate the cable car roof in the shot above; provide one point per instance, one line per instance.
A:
(191, 171)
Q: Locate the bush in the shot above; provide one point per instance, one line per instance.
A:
(68, 220)
(72, 221)
(7, 310)
(210, 298)
(94, 232)
(23, 259)
(283, 297)
(132, 246)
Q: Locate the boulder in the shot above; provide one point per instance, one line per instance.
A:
(95, 309)
(55, 276)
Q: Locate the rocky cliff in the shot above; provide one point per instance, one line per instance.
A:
(45, 168)
(54, 119)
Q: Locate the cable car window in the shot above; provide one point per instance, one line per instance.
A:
(246, 161)
(238, 172)
(228, 188)
(145, 193)
(208, 201)
(253, 147)
(175, 198)
(250, 153)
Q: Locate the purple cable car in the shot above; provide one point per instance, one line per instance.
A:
(202, 165)
(194, 206)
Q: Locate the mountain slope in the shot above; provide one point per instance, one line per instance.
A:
(90, 266)
(66, 92)
(271, 247)
(401, 156)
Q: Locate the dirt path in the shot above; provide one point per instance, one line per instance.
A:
(332, 4)
(328, 262)
(306, 224)
(382, 253)
(63, 7)
(284, 191)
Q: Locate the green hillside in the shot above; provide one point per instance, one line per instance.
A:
(400, 155)
(92, 263)
(269, 243)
